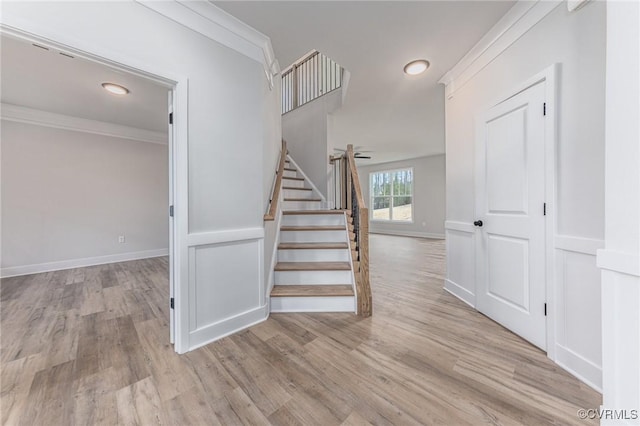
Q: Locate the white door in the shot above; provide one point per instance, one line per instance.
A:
(510, 221)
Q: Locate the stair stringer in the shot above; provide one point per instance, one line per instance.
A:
(316, 192)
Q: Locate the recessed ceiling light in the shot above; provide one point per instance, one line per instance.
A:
(416, 67)
(115, 88)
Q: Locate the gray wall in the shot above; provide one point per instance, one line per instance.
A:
(428, 198)
(68, 195)
(305, 130)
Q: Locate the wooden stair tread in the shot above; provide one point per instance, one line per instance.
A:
(292, 178)
(290, 169)
(296, 212)
(302, 199)
(296, 188)
(313, 228)
(311, 290)
(313, 246)
(313, 266)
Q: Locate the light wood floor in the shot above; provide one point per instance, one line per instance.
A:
(90, 346)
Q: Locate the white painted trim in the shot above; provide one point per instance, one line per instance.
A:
(624, 263)
(37, 117)
(218, 237)
(276, 243)
(460, 292)
(217, 25)
(417, 234)
(14, 271)
(523, 16)
(582, 368)
(578, 244)
(314, 304)
(306, 178)
(460, 226)
(216, 331)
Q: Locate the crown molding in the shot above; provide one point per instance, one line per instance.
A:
(37, 117)
(219, 26)
(523, 16)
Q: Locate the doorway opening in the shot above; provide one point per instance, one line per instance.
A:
(88, 167)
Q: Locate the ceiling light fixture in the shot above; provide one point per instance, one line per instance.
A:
(416, 67)
(116, 89)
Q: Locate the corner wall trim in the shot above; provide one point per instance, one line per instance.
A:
(38, 117)
(625, 263)
(417, 234)
(460, 226)
(578, 244)
(217, 25)
(523, 16)
(14, 271)
(226, 236)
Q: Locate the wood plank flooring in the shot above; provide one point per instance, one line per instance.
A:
(90, 346)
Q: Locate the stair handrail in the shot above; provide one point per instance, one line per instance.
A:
(360, 214)
(277, 186)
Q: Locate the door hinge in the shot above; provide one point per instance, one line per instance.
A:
(545, 309)
(171, 303)
(170, 211)
(544, 209)
(170, 118)
(544, 108)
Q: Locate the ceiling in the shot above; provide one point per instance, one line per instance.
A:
(394, 115)
(46, 80)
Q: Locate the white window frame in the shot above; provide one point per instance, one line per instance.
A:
(371, 196)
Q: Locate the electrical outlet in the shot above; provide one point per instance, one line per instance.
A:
(121, 239)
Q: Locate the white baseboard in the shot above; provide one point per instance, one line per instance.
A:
(407, 233)
(14, 271)
(583, 369)
(460, 292)
(223, 328)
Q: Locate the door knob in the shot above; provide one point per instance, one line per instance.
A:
(478, 223)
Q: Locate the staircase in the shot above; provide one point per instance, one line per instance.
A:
(314, 268)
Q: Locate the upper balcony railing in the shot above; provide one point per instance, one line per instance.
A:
(309, 78)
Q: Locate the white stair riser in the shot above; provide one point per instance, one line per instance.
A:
(313, 220)
(313, 304)
(289, 173)
(293, 183)
(295, 193)
(301, 205)
(312, 277)
(312, 255)
(313, 236)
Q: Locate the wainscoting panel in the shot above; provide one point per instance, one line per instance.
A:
(461, 261)
(226, 286)
(578, 309)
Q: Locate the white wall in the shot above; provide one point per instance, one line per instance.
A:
(305, 130)
(620, 260)
(67, 196)
(576, 41)
(221, 123)
(428, 198)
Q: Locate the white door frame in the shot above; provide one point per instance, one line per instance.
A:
(178, 174)
(550, 77)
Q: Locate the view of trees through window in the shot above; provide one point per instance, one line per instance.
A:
(392, 195)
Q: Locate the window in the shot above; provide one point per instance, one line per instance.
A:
(392, 195)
